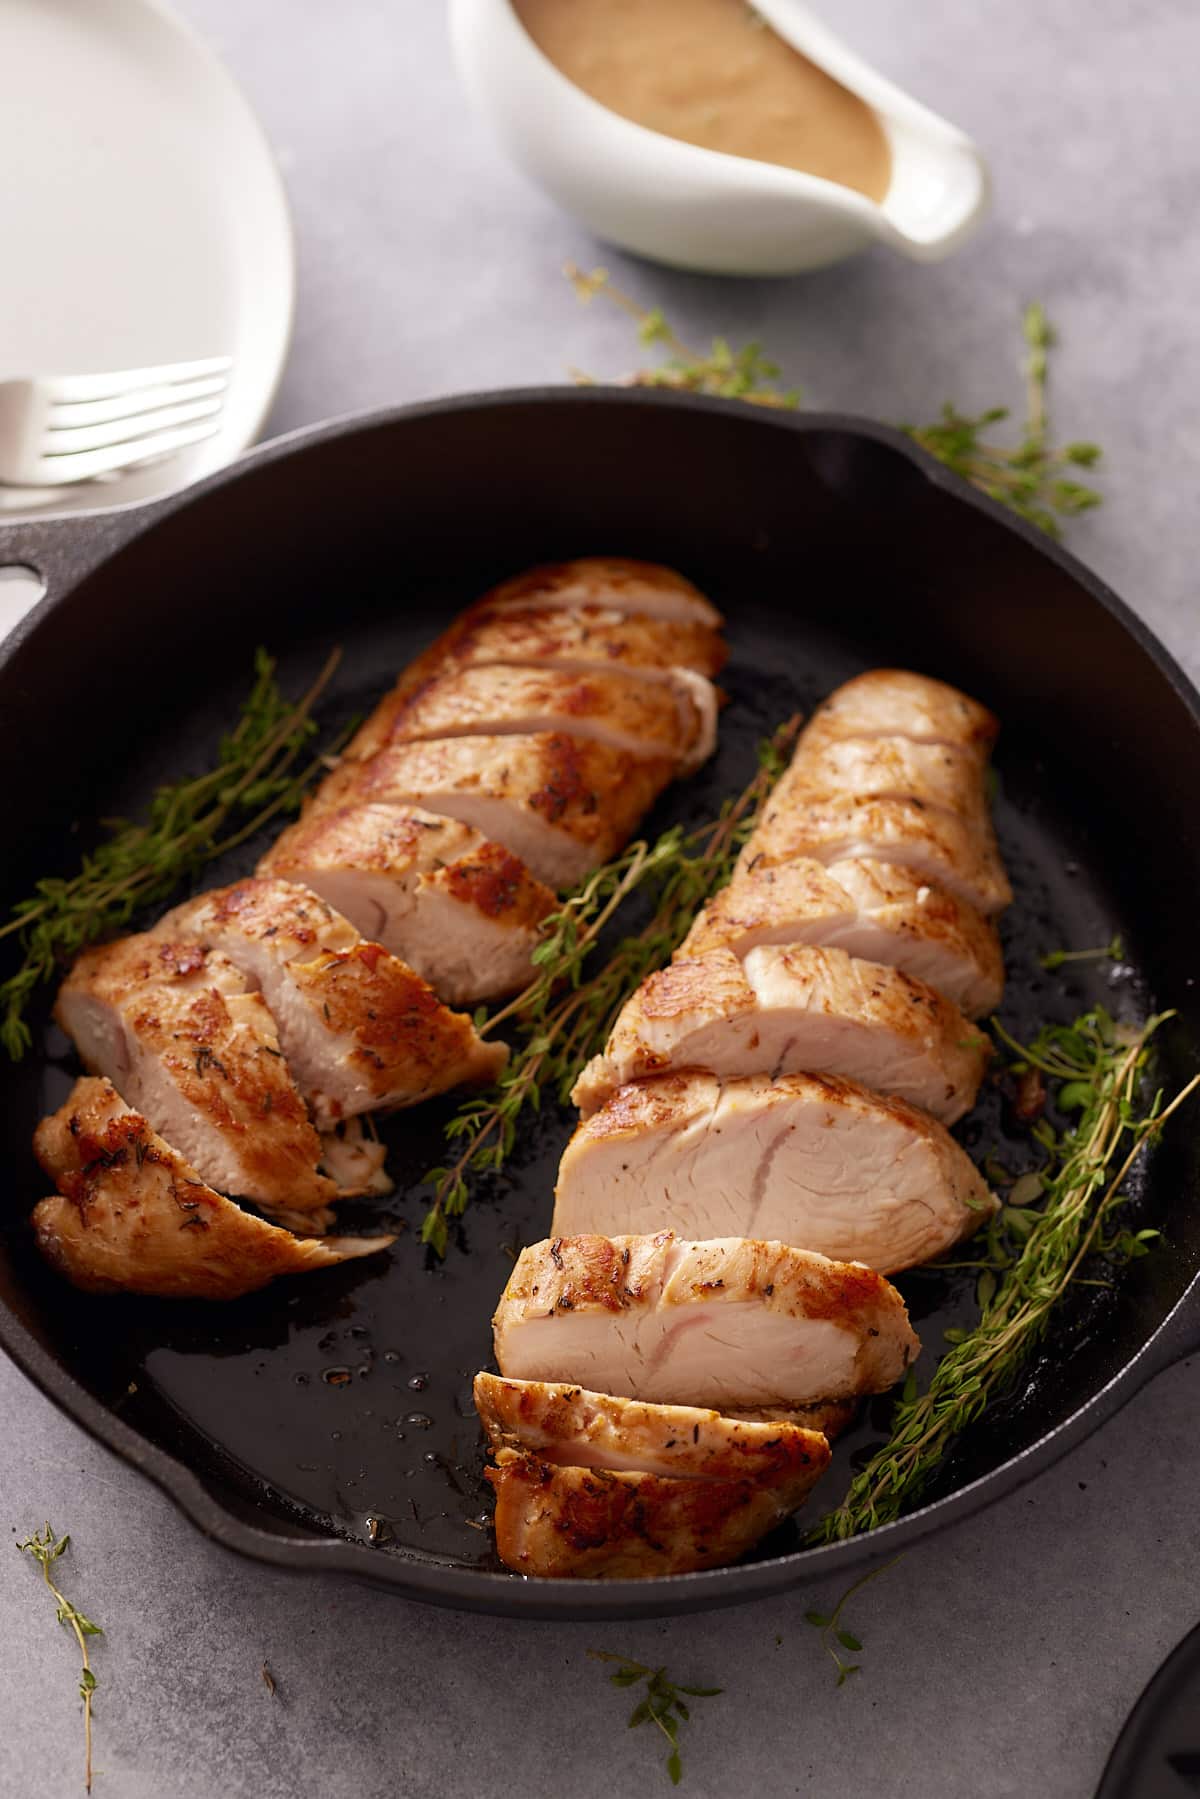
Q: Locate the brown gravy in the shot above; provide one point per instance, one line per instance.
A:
(713, 73)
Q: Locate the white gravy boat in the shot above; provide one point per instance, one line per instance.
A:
(701, 209)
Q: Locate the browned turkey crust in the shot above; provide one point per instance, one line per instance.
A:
(561, 1522)
(361, 1031)
(872, 910)
(188, 1043)
(132, 1216)
(729, 1324)
(789, 1009)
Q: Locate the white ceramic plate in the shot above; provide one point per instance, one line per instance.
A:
(142, 220)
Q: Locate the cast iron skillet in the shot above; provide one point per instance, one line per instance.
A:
(281, 1423)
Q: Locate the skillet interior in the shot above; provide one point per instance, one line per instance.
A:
(322, 1401)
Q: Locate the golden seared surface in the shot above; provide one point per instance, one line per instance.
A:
(181, 1034)
(559, 1522)
(791, 1008)
(821, 1163)
(463, 912)
(618, 582)
(885, 768)
(562, 804)
(671, 718)
(727, 1323)
(592, 636)
(567, 1424)
(131, 1215)
(936, 845)
(887, 702)
(873, 910)
(361, 1031)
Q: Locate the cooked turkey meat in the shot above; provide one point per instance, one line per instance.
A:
(463, 912)
(561, 804)
(873, 910)
(820, 1163)
(789, 1009)
(618, 582)
(183, 1037)
(588, 1523)
(935, 845)
(567, 1424)
(890, 702)
(132, 1216)
(361, 1031)
(674, 718)
(720, 1324)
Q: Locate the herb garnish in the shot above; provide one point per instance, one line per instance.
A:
(834, 1635)
(190, 823)
(1031, 477)
(661, 1703)
(1111, 952)
(1040, 1249)
(563, 1019)
(45, 1548)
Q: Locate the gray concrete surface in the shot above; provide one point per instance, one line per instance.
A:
(1001, 1658)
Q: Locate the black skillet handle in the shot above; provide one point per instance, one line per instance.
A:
(62, 548)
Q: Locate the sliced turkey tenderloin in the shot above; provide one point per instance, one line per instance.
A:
(132, 1216)
(561, 804)
(463, 912)
(935, 845)
(676, 718)
(794, 1009)
(875, 910)
(940, 775)
(726, 1323)
(618, 582)
(183, 1037)
(361, 1031)
(568, 1424)
(589, 1524)
(820, 1163)
(889, 702)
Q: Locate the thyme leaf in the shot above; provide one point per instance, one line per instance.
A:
(1032, 477)
(834, 1634)
(564, 1016)
(661, 1704)
(255, 777)
(1035, 1252)
(46, 1548)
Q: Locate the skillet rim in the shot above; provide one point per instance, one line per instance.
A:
(65, 549)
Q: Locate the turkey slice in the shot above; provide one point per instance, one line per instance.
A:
(822, 1164)
(462, 912)
(361, 1031)
(132, 1216)
(729, 1323)
(873, 910)
(794, 1009)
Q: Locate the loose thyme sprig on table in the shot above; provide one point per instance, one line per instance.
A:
(1097, 1067)
(834, 1633)
(561, 1018)
(45, 1548)
(1032, 477)
(190, 823)
(661, 1704)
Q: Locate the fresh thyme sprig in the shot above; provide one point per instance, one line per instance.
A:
(563, 1019)
(1098, 1068)
(834, 1634)
(45, 1548)
(190, 823)
(661, 1703)
(1032, 477)
(1111, 952)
